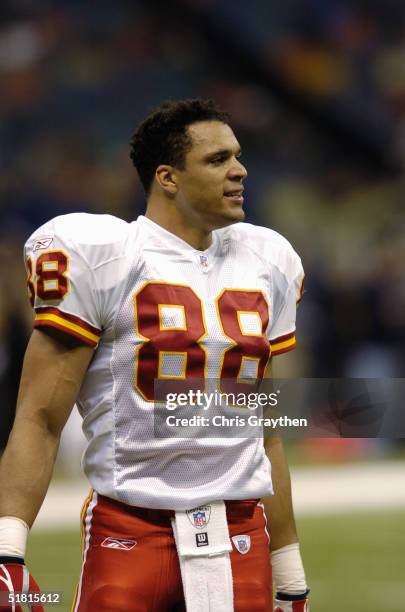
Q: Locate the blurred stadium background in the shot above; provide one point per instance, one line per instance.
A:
(316, 90)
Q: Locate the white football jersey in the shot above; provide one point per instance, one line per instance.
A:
(155, 308)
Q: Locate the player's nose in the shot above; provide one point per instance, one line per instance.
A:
(237, 170)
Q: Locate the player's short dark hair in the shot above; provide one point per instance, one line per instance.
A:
(163, 138)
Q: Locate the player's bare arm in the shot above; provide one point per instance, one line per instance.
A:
(52, 374)
(278, 507)
(288, 571)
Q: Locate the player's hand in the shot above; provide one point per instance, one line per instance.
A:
(15, 578)
(291, 603)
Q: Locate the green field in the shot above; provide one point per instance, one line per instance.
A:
(354, 562)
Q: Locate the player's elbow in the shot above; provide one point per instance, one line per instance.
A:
(40, 421)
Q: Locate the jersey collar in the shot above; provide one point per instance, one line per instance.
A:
(177, 242)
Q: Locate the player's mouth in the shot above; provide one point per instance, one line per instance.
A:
(235, 195)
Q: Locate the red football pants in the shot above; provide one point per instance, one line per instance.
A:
(130, 561)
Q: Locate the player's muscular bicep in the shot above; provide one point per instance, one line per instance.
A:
(51, 379)
(52, 375)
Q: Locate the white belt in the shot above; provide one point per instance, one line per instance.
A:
(203, 545)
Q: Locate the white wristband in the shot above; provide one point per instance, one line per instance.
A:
(13, 536)
(288, 571)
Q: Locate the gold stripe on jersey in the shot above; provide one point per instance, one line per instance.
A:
(59, 320)
(283, 344)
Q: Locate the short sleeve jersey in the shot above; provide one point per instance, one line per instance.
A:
(155, 308)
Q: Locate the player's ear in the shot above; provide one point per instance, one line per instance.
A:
(166, 179)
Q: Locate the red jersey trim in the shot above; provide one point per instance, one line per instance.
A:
(52, 317)
(283, 344)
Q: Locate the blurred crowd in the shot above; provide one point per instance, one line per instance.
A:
(316, 90)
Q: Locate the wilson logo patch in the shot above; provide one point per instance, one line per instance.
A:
(201, 539)
(118, 543)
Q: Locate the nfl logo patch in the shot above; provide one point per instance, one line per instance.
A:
(204, 260)
(200, 516)
(242, 543)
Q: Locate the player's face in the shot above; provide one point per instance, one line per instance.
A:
(210, 187)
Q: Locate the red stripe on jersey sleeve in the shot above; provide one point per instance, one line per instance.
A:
(283, 344)
(71, 324)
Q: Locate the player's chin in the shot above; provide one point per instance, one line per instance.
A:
(228, 218)
(233, 209)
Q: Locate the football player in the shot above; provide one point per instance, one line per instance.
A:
(188, 291)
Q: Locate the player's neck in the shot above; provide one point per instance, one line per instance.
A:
(174, 222)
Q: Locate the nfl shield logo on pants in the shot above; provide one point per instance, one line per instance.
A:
(242, 543)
